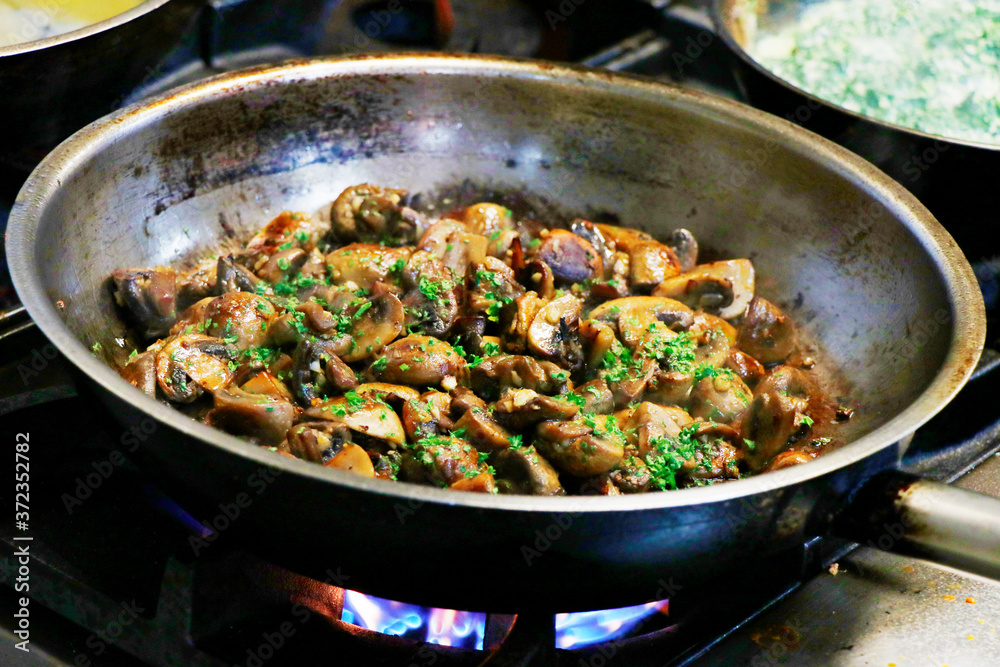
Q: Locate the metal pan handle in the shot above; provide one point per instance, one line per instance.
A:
(904, 514)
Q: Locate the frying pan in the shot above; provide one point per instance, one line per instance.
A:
(53, 86)
(857, 260)
(954, 178)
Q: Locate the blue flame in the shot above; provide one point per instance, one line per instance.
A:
(467, 629)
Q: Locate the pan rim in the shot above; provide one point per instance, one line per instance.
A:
(965, 299)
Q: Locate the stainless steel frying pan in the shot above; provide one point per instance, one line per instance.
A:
(854, 256)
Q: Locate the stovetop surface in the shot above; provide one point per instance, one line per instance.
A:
(115, 581)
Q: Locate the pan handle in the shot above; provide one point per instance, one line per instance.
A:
(904, 514)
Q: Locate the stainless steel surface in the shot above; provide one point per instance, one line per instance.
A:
(879, 609)
(951, 526)
(53, 86)
(855, 257)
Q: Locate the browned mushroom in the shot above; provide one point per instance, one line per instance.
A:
(453, 245)
(485, 218)
(353, 459)
(464, 399)
(262, 418)
(283, 264)
(440, 461)
(483, 431)
(189, 364)
(364, 264)
(572, 258)
(489, 286)
(393, 394)
(655, 423)
(721, 288)
(719, 397)
(433, 295)
(233, 277)
(749, 369)
(419, 360)
(140, 371)
(685, 246)
(289, 229)
(266, 383)
(777, 415)
(366, 416)
(522, 470)
(375, 324)
(428, 415)
(516, 321)
(520, 409)
(317, 441)
(240, 318)
(316, 371)
(148, 298)
(651, 263)
(505, 371)
(372, 213)
(638, 316)
(597, 397)
(554, 333)
(582, 447)
(766, 333)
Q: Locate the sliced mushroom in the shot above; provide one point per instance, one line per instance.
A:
(310, 378)
(140, 371)
(651, 263)
(721, 288)
(685, 246)
(241, 318)
(364, 264)
(590, 233)
(268, 384)
(464, 399)
(516, 319)
(262, 418)
(505, 371)
(749, 369)
(485, 218)
(766, 333)
(441, 461)
(483, 431)
(638, 316)
(298, 229)
(317, 441)
(376, 323)
(468, 334)
(721, 397)
(283, 264)
(189, 364)
(523, 470)
(630, 475)
(232, 277)
(481, 483)
(597, 397)
(572, 258)
(706, 322)
(428, 415)
(623, 238)
(197, 284)
(718, 457)
(393, 394)
(711, 348)
(362, 415)
(353, 459)
(372, 213)
(520, 409)
(670, 387)
(454, 246)
(148, 298)
(777, 415)
(555, 332)
(654, 423)
(418, 360)
(789, 459)
(582, 449)
(433, 297)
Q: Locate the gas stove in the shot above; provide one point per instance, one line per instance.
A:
(121, 574)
